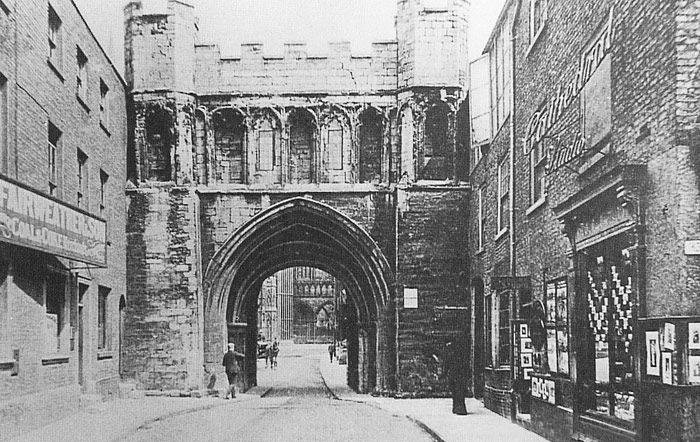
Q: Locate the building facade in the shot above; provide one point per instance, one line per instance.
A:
(62, 248)
(584, 262)
(241, 167)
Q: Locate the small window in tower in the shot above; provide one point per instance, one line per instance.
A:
(52, 155)
(55, 39)
(82, 180)
(104, 105)
(81, 82)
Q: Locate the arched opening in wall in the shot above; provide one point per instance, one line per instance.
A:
(302, 147)
(160, 141)
(200, 147)
(407, 169)
(328, 262)
(371, 135)
(437, 146)
(463, 142)
(267, 154)
(229, 146)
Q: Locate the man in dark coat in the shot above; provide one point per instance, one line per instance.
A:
(232, 369)
(455, 369)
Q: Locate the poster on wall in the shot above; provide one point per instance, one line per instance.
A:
(526, 345)
(694, 369)
(669, 336)
(551, 303)
(552, 350)
(652, 346)
(524, 331)
(563, 351)
(694, 335)
(667, 371)
(526, 360)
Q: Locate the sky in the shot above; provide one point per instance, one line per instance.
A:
(274, 22)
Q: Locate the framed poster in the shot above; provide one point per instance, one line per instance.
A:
(694, 335)
(526, 345)
(552, 350)
(667, 370)
(551, 317)
(527, 372)
(526, 360)
(652, 346)
(669, 336)
(525, 330)
(694, 369)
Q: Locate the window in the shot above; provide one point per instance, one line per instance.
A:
(54, 303)
(437, 162)
(500, 60)
(229, 144)
(104, 177)
(538, 163)
(52, 155)
(557, 326)
(488, 320)
(407, 133)
(55, 39)
(482, 218)
(538, 17)
(82, 77)
(104, 104)
(161, 139)
(266, 150)
(82, 180)
(504, 347)
(596, 105)
(503, 189)
(102, 324)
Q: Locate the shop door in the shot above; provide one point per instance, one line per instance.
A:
(82, 289)
(611, 312)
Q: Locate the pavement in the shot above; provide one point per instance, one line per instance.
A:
(116, 420)
(434, 415)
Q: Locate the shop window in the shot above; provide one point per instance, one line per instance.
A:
(371, 129)
(104, 105)
(102, 316)
(504, 316)
(489, 329)
(160, 142)
(335, 146)
(52, 158)
(538, 18)
(301, 147)
(104, 179)
(503, 193)
(557, 326)
(436, 146)
(538, 164)
(229, 146)
(83, 188)
(610, 333)
(54, 304)
(81, 83)
(55, 40)
(407, 132)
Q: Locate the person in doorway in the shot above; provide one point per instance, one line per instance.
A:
(331, 351)
(275, 351)
(232, 369)
(456, 376)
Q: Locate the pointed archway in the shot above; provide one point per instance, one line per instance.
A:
(303, 232)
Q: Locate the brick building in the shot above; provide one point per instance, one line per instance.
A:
(241, 167)
(62, 248)
(584, 247)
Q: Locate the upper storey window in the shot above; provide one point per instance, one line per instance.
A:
(302, 147)
(55, 39)
(229, 146)
(500, 61)
(81, 82)
(371, 129)
(436, 149)
(160, 142)
(538, 18)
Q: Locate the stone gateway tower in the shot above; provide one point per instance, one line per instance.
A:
(241, 167)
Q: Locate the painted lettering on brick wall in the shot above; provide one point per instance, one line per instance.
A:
(543, 389)
(545, 118)
(32, 220)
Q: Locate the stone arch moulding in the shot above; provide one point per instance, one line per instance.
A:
(299, 232)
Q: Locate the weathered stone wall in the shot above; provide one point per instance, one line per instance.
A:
(432, 258)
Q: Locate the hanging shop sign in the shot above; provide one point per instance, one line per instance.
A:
(549, 115)
(30, 219)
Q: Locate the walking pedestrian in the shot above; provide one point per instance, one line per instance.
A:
(275, 351)
(268, 355)
(331, 351)
(232, 369)
(456, 377)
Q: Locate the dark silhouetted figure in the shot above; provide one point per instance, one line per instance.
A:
(456, 375)
(232, 369)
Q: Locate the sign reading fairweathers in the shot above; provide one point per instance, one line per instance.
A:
(32, 220)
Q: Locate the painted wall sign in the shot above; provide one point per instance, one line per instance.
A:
(544, 119)
(543, 389)
(29, 219)
(692, 247)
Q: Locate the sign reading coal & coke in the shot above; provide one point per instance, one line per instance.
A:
(32, 220)
(543, 389)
